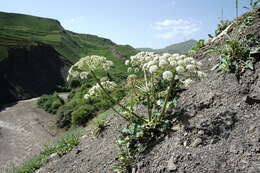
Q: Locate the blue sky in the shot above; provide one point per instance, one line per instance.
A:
(140, 23)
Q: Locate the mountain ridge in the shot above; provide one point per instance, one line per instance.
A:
(181, 47)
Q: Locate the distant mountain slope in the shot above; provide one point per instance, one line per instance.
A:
(35, 54)
(180, 48)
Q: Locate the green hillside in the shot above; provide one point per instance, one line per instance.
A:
(180, 48)
(26, 30)
(35, 54)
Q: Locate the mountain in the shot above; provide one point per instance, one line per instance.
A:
(180, 48)
(36, 52)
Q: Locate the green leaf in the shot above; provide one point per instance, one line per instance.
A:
(249, 65)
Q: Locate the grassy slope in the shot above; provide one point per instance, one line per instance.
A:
(181, 48)
(18, 30)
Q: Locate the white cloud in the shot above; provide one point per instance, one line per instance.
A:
(169, 28)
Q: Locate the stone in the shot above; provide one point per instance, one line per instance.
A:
(196, 142)
(201, 132)
(171, 165)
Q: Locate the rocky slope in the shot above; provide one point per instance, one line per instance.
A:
(216, 126)
(24, 129)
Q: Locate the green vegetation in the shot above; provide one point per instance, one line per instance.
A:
(77, 110)
(17, 30)
(61, 147)
(181, 48)
(50, 103)
(196, 48)
(100, 126)
(136, 139)
(234, 57)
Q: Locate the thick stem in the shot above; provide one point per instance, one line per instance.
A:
(148, 99)
(161, 116)
(113, 100)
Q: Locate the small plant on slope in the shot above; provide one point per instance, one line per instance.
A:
(196, 48)
(234, 57)
(101, 125)
(163, 76)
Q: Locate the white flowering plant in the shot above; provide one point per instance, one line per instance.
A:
(163, 75)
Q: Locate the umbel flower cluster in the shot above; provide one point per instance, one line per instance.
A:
(96, 90)
(89, 64)
(166, 66)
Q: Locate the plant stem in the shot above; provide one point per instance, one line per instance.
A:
(114, 101)
(148, 100)
(161, 116)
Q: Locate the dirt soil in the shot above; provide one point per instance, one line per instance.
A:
(24, 129)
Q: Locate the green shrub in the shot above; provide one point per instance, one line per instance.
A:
(64, 116)
(82, 114)
(50, 103)
(78, 111)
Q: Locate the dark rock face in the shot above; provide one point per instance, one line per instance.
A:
(31, 71)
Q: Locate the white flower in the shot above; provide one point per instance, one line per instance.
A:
(129, 70)
(86, 96)
(159, 102)
(190, 67)
(167, 75)
(131, 77)
(199, 63)
(187, 82)
(180, 69)
(153, 68)
(182, 56)
(127, 62)
(96, 90)
(188, 60)
(163, 63)
(150, 63)
(162, 58)
(166, 55)
(83, 75)
(181, 62)
(173, 63)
